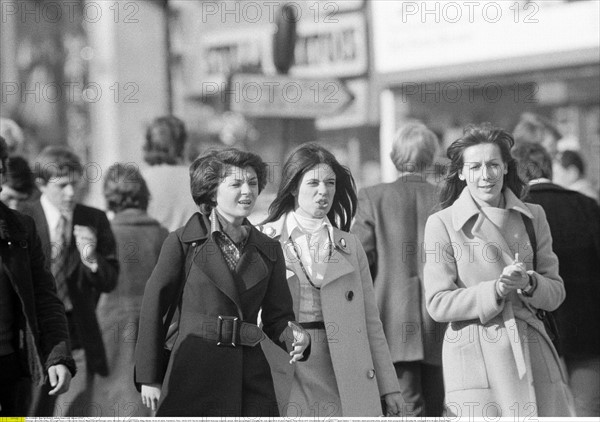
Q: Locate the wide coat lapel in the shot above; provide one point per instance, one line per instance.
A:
(339, 265)
(37, 213)
(209, 258)
(488, 236)
(252, 267)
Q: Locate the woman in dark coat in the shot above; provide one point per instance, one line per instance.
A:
(139, 239)
(232, 272)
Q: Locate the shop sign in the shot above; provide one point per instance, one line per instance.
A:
(336, 49)
(415, 35)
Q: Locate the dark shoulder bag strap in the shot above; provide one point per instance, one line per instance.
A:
(532, 238)
(546, 317)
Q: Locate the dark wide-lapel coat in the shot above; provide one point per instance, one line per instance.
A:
(202, 378)
(42, 328)
(84, 285)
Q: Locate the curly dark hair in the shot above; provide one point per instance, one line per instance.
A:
(477, 135)
(301, 160)
(208, 171)
(124, 187)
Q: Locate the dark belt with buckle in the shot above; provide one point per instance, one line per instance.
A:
(229, 331)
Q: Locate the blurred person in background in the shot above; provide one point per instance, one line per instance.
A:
(79, 244)
(574, 221)
(539, 130)
(390, 223)
(350, 371)
(34, 336)
(569, 172)
(139, 240)
(17, 184)
(167, 177)
(480, 277)
(13, 135)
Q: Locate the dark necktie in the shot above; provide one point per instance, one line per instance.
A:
(59, 260)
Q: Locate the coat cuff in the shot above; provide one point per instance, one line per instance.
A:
(64, 360)
(487, 302)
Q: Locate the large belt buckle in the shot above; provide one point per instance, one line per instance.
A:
(234, 331)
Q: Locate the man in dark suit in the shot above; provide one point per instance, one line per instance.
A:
(34, 338)
(574, 221)
(81, 247)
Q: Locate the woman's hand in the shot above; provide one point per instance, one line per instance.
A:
(151, 395)
(513, 277)
(394, 403)
(301, 341)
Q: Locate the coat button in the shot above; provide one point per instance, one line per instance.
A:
(371, 374)
(343, 242)
(349, 295)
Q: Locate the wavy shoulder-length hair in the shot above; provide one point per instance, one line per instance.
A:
(301, 160)
(477, 135)
(209, 170)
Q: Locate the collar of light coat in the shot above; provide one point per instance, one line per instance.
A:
(465, 207)
(198, 228)
(275, 229)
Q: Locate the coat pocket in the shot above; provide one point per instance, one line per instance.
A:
(464, 367)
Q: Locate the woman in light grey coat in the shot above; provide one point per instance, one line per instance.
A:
(498, 359)
(350, 369)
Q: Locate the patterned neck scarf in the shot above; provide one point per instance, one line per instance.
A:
(232, 251)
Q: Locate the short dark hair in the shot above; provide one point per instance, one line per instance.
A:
(57, 161)
(124, 187)
(534, 161)
(18, 175)
(301, 160)
(155, 154)
(208, 171)
(477, 135)
(572, 158)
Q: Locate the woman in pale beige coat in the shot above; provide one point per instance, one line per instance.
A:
(498, 359)
(350, 369)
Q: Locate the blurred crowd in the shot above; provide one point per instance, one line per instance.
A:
(386, 314)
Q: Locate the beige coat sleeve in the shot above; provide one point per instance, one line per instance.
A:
(446, 300)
